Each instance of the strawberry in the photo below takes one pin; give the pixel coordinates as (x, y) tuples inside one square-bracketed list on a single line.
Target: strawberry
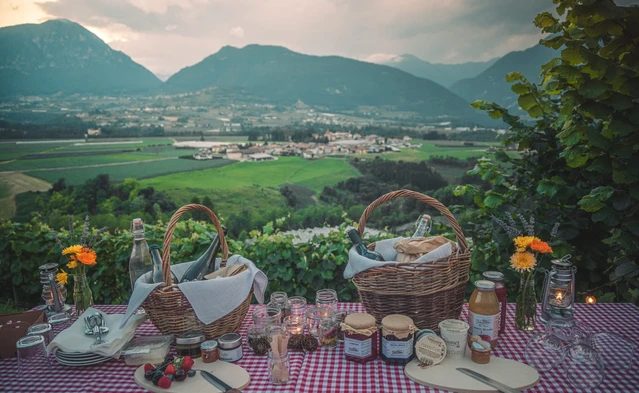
[(169, 370), (187, 363), (164, 382), (148, 367)]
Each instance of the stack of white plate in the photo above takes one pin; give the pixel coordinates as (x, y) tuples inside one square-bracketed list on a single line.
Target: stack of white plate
[(79, 359)]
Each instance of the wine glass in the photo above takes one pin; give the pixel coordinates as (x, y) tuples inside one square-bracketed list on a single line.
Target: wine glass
[(583, 366), (544, 351), (616, 351)]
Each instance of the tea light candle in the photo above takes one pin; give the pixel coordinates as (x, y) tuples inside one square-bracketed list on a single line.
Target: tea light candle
[(294, 325)]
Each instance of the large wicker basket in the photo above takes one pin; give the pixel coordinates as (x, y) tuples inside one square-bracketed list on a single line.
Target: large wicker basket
[(168, 308), (428, 292)]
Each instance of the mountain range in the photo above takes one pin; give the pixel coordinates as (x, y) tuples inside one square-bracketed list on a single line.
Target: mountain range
[(60, 56), (444, 74)]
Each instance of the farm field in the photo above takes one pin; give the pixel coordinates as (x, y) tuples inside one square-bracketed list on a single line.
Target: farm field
[(71, 161), (312, 174), (138, 170), (13, 184), (429, 150)]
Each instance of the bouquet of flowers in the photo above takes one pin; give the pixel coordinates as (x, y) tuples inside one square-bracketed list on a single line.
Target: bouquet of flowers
[(79, 256), (529, 250)]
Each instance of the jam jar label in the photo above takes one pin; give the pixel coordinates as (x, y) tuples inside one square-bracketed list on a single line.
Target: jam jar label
[(397, 349), (485, 326), (358, 348), (231, 355)]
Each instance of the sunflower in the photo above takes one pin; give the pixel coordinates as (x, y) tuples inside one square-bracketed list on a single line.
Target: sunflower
[(87, 256), (523, 261), (521, 242), (62, 277), (72, 250), (539, 246)]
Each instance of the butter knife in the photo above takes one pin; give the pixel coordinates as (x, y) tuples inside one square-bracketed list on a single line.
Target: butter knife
[(218, 383), (488, 381)]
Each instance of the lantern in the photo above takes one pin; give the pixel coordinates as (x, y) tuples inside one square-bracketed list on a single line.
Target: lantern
[(559, 293)]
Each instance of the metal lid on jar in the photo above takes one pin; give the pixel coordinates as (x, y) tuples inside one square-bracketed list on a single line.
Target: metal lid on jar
[(493, 275), (229, 340), (484, 284), (360, 320), (190, 338), (208, 345)]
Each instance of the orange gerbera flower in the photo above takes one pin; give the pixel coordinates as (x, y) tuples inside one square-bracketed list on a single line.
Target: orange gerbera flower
[(87, 256), (539, 246)]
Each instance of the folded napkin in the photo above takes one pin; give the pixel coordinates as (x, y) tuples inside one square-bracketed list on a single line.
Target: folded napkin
[(210, 301), (73, 338), (357, 263)]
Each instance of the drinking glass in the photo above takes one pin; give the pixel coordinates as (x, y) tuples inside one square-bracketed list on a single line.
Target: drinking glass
[(43, 329), (544, 351), (59, 321), (31, 351), (583, 366), (326, 297)]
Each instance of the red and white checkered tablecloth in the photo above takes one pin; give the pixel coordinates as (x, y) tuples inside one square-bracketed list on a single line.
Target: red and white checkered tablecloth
[(327, 370)]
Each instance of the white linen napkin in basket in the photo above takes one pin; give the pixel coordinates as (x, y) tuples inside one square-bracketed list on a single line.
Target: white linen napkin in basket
[(210, 301), (73, 338), (357, 263)]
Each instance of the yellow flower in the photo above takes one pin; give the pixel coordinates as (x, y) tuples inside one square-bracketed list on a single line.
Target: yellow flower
[(72, 263), (523, 261), (62, 277), (522, 242), (72, 250)]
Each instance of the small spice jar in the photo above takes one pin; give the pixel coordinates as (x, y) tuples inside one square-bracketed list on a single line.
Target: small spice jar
[(480, 351), (188, 344), (210, 351), (396, 345), (230, 345), (360, 337)]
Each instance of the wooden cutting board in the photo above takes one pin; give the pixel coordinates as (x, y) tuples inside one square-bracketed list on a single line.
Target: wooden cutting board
[(514, 374), (230, 373)]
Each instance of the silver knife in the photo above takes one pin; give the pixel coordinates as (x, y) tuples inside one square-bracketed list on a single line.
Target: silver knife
[(488, 381), (218, 383)]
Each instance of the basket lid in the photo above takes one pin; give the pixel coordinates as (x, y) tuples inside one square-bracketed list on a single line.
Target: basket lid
[(360, 320)]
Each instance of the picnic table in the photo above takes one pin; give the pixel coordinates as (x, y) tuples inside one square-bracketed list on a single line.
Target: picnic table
[(327, 370)]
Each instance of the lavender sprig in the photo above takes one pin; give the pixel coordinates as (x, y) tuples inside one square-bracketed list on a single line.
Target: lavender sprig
[(70, 224), (510, 230), (100, 231), (528, 227), (85, 231), (554, 230), (513, 224), (57, 239)]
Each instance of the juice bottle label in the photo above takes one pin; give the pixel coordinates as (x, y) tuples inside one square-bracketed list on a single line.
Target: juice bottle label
[(485, 326)]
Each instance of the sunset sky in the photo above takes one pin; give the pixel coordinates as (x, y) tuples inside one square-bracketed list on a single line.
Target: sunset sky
[(167, 35)]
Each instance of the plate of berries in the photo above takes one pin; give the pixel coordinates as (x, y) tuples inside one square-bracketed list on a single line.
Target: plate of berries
[(177, 374)]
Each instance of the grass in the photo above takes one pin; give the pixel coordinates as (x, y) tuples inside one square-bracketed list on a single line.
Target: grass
[(138, 170), (312, 174), (71, 161), (10, 151), (5, 189), (13, 184), (7, 307)]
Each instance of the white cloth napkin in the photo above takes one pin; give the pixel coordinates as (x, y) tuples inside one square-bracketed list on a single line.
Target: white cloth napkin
[(73, 338), (358, 263), (210, 300)]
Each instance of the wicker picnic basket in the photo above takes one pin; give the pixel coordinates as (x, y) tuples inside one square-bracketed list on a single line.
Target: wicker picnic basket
[(168, 308), (428, 292)]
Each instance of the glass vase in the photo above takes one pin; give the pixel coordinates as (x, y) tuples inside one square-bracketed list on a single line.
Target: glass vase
[(82, 294), (526, 304)]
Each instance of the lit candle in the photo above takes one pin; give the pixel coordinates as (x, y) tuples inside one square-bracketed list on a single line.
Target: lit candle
[(591, 299)]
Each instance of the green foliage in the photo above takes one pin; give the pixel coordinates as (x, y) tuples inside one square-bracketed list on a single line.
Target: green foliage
[(297, 268), (581, 162)]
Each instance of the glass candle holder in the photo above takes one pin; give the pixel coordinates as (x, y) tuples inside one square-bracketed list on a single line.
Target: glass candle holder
[(295, 306), (294, 324), (279, 368), (254, 335), (326, 297), (265, 316), (313, 317), (278, 299), (329, 331)]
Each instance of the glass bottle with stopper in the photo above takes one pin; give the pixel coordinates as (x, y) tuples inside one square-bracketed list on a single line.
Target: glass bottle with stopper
[(156, 256), (361, 248), (559, 293), (424, 225), (205, 264), (140, 261)]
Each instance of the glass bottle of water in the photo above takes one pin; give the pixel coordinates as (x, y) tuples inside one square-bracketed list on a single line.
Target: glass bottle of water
[(140, 261), (424, 225)]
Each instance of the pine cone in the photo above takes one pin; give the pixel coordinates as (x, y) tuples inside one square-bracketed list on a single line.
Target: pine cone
[(309, 343), (261, 346), (295, 342)]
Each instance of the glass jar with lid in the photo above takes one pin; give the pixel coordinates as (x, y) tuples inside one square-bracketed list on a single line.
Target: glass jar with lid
[(188, 344), (502, 295), (397, 344), (360, 337), (483, 313), (230, 347)]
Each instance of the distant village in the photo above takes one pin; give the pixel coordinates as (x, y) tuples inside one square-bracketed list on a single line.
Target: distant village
[(339, 144)]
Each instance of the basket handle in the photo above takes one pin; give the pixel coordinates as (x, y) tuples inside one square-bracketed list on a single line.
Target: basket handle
[(166, 250), (461, 239)]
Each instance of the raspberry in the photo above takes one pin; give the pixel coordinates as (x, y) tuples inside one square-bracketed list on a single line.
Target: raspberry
[(187, 363), (164, 382), (148, 367), (170, 369)]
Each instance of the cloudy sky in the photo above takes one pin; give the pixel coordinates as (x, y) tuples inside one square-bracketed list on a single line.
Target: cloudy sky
[(167, 35)]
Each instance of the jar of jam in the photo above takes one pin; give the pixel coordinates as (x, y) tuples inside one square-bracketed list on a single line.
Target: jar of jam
[(210, 351), (502, 295), (230, 345), (397, 339), (360, 337), (483, 313), (188, 344)]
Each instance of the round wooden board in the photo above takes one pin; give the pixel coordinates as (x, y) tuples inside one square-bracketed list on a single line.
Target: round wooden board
[(230, 373), (444, 376)]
